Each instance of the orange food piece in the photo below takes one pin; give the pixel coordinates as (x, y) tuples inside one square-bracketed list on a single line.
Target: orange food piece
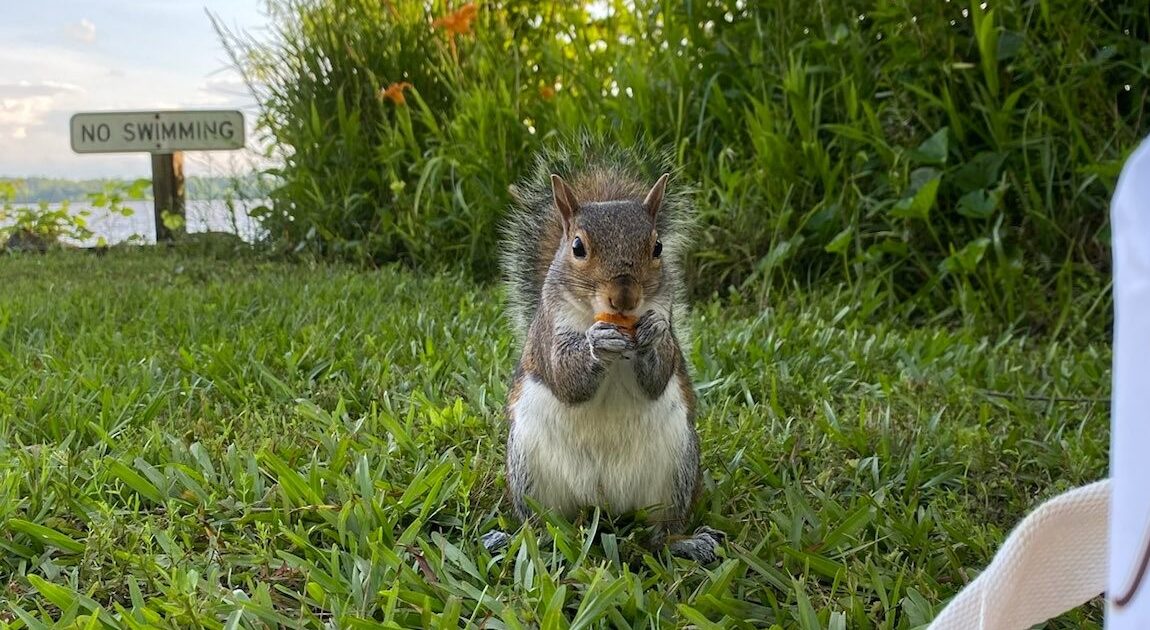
[(622, 322)]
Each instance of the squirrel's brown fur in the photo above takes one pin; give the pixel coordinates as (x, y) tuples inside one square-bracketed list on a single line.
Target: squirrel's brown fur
[(596, 172), (601, 414)]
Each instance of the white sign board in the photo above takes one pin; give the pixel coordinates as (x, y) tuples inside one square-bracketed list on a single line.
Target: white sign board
[(157, 132)]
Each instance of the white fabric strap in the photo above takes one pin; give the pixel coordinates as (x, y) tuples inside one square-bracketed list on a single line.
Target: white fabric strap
[(1053, 561), (1066, 552)]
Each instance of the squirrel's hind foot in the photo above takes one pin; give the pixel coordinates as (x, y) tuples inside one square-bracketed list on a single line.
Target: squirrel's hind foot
[(495, 540), (699, 546)]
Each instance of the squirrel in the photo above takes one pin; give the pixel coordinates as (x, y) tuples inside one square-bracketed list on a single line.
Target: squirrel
[(601, 407)]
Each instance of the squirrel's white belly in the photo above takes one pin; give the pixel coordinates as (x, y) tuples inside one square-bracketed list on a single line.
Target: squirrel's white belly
[(619, 451)]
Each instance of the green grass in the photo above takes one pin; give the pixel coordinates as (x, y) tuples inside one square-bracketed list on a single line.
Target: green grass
[(188, 441)]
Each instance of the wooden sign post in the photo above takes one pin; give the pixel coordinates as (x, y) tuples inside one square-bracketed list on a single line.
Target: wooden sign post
[(166, 135), (167, 190)]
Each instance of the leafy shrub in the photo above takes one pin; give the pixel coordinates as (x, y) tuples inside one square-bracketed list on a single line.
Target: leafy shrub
[(43, 227), (26, 228), (943, 155)]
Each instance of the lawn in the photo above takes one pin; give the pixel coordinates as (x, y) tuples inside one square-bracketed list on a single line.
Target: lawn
[(192, 441)]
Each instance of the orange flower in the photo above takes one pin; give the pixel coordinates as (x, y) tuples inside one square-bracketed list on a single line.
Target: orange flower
[(394, 92), (547, 92), (458, 22)]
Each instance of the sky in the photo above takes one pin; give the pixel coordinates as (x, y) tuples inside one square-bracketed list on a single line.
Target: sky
[(60, 57)]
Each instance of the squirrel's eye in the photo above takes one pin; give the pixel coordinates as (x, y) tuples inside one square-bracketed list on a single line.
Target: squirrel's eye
[(658, 249), (578, 249)]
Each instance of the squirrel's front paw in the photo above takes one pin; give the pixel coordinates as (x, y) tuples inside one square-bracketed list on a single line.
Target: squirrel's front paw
[(608, 342), (652, 327)]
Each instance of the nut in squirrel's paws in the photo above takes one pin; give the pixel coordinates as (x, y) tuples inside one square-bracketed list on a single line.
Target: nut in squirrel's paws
[(624, 323), (700, 546)]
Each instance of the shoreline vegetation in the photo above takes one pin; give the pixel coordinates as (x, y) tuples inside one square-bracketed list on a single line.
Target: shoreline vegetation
[(34, 190)]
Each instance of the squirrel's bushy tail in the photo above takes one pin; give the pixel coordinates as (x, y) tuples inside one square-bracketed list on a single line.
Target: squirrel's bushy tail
[(596, 171)]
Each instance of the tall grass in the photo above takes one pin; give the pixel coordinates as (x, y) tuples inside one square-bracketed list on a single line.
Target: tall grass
[(954, 158)]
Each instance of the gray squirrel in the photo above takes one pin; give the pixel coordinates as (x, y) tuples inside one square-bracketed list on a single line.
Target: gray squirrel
[(601, 408)]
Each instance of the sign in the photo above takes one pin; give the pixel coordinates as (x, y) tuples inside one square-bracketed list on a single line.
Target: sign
[(157, 132), (164, 134)]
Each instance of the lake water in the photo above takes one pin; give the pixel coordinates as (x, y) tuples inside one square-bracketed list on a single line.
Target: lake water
[(200, 216)]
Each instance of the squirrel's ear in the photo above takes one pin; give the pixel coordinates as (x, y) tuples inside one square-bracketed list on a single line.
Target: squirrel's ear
[(564, 199), (654, 199)]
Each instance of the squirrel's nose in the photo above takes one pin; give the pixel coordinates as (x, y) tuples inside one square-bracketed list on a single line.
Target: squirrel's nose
[(622, 304), (624, 294)]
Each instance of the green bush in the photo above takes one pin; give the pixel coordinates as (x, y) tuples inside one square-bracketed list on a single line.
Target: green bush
[(943, 156), (40, 228)]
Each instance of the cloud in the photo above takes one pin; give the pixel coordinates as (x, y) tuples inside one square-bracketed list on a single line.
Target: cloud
[(17, 114), (26, 89), (25, 104), (225, 88), (83, 31), (230, 83)]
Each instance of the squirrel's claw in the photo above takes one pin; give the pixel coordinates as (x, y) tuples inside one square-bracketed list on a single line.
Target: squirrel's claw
[(607, 341), (651, 328), (495, 540), (700, 546)]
